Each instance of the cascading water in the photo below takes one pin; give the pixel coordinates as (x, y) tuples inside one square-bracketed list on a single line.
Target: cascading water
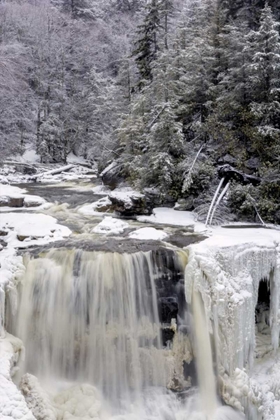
[(203, 353), (92, 318)]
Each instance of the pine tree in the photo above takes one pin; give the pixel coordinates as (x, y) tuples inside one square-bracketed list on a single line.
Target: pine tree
[(147, 45)]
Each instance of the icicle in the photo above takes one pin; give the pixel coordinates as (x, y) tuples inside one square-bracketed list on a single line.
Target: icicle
[(213, 200), (218, 201)]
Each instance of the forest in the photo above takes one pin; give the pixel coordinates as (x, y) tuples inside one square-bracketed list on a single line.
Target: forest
[(168, 90)]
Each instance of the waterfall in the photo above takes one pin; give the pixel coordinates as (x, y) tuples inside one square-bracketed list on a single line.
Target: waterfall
[(203, 353), (92, 317), (90, 323)]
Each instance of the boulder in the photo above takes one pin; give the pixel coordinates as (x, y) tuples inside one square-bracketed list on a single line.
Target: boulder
[(16, 201), (112, 175), (185, 204), (130, 204), (227, 159), (253, 164), (25, 169)]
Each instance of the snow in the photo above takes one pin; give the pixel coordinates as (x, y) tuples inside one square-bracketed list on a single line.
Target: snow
[(149, 233), (125, 194), (8, 192), (32, 228), (168, 216), (29, 156), (110, 226), (11, 191), (101, 190), (12, 402), (98, 208)]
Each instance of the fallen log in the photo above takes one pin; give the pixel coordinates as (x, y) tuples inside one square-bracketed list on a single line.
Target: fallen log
[(53, 172)]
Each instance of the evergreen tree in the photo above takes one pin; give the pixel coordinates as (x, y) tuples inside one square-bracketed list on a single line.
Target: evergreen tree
[(147, 45), (264, 80)]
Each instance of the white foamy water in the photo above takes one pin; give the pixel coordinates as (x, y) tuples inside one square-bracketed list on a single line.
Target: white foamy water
[(92, 317), (90, 325), (204, 362)]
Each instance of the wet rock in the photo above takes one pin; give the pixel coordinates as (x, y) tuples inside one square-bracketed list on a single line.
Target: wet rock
[(168, 308), (167, 335), (190, 372)]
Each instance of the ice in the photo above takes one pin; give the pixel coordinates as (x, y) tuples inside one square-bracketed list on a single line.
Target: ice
[(12, 402), (226, 269)]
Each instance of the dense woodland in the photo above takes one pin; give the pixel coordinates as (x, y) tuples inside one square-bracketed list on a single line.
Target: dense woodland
[(169, 89)]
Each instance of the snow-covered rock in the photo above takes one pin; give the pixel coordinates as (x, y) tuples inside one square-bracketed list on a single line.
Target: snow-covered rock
[(11, 196), (110, 226), (149, 233)]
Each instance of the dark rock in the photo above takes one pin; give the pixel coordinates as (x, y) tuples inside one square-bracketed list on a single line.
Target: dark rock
[(167, 308), (3, 232), (182, 241), (228, 172), (2, 244), (112, 175), (227, 159), (153, 196), (21, 238), (11, 201), (4, 201), (190, 372), (26, 169), (185, 204), (134, 204), (16, 201), (253, 163), (167, 334)]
